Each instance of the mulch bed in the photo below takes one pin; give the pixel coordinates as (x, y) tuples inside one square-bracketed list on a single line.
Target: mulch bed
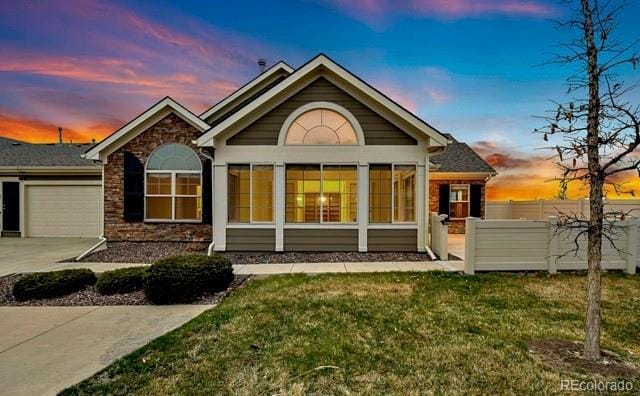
[(90, 296), (568, 356), (147, 252)]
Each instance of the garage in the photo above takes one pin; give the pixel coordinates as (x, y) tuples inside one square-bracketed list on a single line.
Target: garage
[(62, 210)]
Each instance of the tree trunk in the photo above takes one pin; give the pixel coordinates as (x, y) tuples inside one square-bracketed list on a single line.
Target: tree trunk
[(596, 182)]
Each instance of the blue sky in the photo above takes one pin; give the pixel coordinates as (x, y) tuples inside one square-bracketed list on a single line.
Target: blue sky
[(468, 67)]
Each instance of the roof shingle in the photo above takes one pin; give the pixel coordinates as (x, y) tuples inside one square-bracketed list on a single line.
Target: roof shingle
[(21, 154), (459, 157)]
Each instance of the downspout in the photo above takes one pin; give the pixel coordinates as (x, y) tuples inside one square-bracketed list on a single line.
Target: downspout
[(213, 239), (102, 238)]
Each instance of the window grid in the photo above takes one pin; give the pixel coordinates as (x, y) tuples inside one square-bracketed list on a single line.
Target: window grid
[(323, 210), (457, 200), (404, 194), (173, 195), (245, 206)]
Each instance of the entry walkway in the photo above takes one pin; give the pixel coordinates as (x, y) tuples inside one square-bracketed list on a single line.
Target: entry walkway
[(346, 267)]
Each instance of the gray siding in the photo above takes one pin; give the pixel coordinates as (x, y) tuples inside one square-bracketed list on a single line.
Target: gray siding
[(377, 130), (392, 240), (251, 239), (320, 240)]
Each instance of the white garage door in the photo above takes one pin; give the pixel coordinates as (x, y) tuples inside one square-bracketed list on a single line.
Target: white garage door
[(62, 211)]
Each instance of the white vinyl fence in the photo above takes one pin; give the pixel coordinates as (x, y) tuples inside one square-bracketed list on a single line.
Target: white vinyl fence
[(439, 236), (541, 209), (537, 245)]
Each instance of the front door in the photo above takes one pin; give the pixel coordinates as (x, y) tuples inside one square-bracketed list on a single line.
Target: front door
[(10, 206)]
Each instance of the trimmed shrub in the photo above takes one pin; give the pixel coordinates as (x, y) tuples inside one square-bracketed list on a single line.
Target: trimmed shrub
[(185, 278), (122, 280), (39, 285)]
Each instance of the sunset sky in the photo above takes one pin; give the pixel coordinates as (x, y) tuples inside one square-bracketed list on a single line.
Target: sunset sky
[(468, 67)]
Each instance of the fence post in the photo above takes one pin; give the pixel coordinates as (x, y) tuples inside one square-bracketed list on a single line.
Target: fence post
[(541, 209), (632, 246), (510, 209), (554, 245), (470, 245)]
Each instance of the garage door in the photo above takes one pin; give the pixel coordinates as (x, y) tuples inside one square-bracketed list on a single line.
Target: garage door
[(62, 211)]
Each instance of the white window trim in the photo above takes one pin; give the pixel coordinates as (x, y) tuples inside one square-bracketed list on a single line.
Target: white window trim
[(321, 222), (282, 137), (173, 196), (393, 195), (273, 194), (468, 201)]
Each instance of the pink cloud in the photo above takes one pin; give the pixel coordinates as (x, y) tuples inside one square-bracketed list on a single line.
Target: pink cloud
[(376, 12)]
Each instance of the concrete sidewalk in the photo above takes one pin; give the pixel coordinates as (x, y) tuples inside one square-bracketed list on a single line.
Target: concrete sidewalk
[(344, 267), (294, 268), (46, 349)]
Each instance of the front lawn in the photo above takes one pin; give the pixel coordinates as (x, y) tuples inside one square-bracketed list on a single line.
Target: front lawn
[(395, 333)]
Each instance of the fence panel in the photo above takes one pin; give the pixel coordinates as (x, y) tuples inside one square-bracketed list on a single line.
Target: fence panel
[(541, 209), (535, 245)]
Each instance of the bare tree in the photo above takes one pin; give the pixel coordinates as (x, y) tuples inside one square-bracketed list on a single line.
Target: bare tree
[(595, 134)]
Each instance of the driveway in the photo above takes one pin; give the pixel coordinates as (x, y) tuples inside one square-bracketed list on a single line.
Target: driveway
[(46, 349), (37, 254)]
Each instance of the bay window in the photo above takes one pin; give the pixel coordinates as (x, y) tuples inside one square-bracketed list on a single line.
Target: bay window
[(392, 193), (321, 194), (250, 193)]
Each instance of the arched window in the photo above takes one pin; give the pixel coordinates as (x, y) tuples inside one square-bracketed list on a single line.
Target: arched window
[(321, 126), (173, 184)]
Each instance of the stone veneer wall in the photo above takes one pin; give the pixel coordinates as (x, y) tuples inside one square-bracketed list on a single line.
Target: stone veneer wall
[(171, 129), (455, 226)]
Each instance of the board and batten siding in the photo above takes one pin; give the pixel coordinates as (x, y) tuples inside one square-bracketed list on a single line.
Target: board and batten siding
[(320, 240), (392, 240), (251, 239), (376, 129)]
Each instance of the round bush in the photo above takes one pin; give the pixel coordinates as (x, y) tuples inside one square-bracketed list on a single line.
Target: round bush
[(122, 280), (39, 285), (185, 278)]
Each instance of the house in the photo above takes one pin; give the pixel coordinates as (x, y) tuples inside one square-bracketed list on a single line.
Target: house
[(48, 190), (311, 159)]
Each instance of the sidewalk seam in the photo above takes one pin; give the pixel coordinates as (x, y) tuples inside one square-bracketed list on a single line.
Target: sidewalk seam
[(49, 330)]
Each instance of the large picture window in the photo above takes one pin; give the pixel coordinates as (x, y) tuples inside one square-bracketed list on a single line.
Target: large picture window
[(250, 193), (459, 201), (392, 193), (173, 180), (321, 194)]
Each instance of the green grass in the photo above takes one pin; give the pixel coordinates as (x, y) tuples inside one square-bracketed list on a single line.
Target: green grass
[(397, 333)]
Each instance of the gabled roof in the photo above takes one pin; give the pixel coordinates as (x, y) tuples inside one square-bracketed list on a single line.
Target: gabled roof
[(139, 124), (459, 157), (253, 87), (20, 155), (263, 103)]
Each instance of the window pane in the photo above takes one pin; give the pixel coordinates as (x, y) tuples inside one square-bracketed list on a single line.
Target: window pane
[(380, 193), (404, 183), (158, 183), (158, 208), (262, 193), (459, 193), (238, 193), (339, 194), (187, 208), (187, 184), (302, 193), (321, 126)]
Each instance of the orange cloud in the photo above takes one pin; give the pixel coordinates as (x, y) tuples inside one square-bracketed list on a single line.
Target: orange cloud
[(37, 131)]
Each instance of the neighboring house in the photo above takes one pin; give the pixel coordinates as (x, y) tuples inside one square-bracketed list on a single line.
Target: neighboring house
[(312, 159), (48, 190), (457, 184)]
